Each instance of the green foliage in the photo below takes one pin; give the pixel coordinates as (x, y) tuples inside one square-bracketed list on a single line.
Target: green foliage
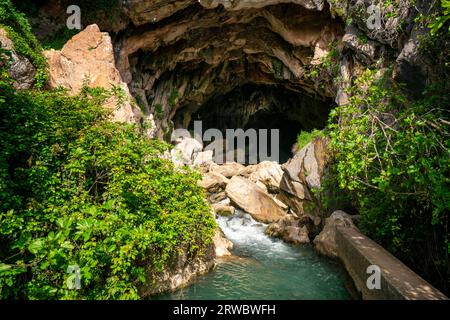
[(173, 98), (306, 137), (277, 67), (25, 43), (325, 73), (441, 20), (140, 103), (159, 113), (77, 190), (119, 93), (392, 156), (338, 8)]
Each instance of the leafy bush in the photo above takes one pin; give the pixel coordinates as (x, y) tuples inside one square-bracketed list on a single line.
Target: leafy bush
[(76, 190), (392, 155), (440, 21)]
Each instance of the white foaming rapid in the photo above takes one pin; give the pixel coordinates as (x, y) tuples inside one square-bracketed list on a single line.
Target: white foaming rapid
[(248, 234)]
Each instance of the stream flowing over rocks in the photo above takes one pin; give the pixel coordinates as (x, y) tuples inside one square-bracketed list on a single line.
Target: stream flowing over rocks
[(272, 200), (278, 195)]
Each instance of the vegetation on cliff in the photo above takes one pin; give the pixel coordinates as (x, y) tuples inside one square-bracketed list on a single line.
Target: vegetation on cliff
[(391, 154), (81, 197), (25, 43)]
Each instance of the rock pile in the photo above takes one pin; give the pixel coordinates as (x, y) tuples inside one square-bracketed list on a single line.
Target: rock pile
[(274, 194)]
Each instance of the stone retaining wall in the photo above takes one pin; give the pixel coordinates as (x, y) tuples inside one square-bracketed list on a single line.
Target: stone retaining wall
[(398, 282)]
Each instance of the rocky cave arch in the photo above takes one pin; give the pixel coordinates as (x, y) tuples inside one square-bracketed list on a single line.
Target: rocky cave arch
[(233, 66), (259, 107)]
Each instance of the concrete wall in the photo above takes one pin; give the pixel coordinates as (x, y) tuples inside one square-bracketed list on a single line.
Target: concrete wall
[(357, 252)]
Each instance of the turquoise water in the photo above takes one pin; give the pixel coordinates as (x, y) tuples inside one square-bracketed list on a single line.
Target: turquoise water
[(265, 268)]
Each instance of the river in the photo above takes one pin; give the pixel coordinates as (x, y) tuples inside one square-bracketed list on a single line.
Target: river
[(265, 268)]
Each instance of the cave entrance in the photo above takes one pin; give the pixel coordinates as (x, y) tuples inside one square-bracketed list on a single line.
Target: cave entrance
[(259, 107)]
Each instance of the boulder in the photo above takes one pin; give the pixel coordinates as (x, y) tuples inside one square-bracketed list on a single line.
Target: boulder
[(213, 182), (248, 170), (186, 151), (289, 229), (307, 167), (182, 270), (253, 200), (280, 203), (296, 235), (304, 173), (222, 245), (203, 158), (295, 188), (225, 202), (19, 67), (228, 170), (269, 173), (88, 59), (217, 197), (325, 242), (223, 209)]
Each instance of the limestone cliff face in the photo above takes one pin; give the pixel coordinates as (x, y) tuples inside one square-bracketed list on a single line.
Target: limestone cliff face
[(88, 59), (204, 50), (180, 56)]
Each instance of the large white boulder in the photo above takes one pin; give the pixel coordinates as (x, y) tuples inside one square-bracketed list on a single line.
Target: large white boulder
[(185, 152)]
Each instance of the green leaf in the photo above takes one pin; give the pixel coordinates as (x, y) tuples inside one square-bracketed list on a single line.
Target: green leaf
[(36, 246), (4, 267)]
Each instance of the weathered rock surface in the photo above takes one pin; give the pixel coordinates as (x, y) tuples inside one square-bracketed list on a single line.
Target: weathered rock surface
[(182, 271), (222, 245), (290, 230), (20, 68), (228, 169), (186, 151), (223, 209), (178, 61), (213, 182), (308, 165), (217, 197), (325, 242), (203, 158), (88, 59), (174, 60), (250, 198), (358, 42), (303, 174), (269, 173)]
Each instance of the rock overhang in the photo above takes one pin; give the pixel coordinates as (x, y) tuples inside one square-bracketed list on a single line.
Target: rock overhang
[(180, 55)]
